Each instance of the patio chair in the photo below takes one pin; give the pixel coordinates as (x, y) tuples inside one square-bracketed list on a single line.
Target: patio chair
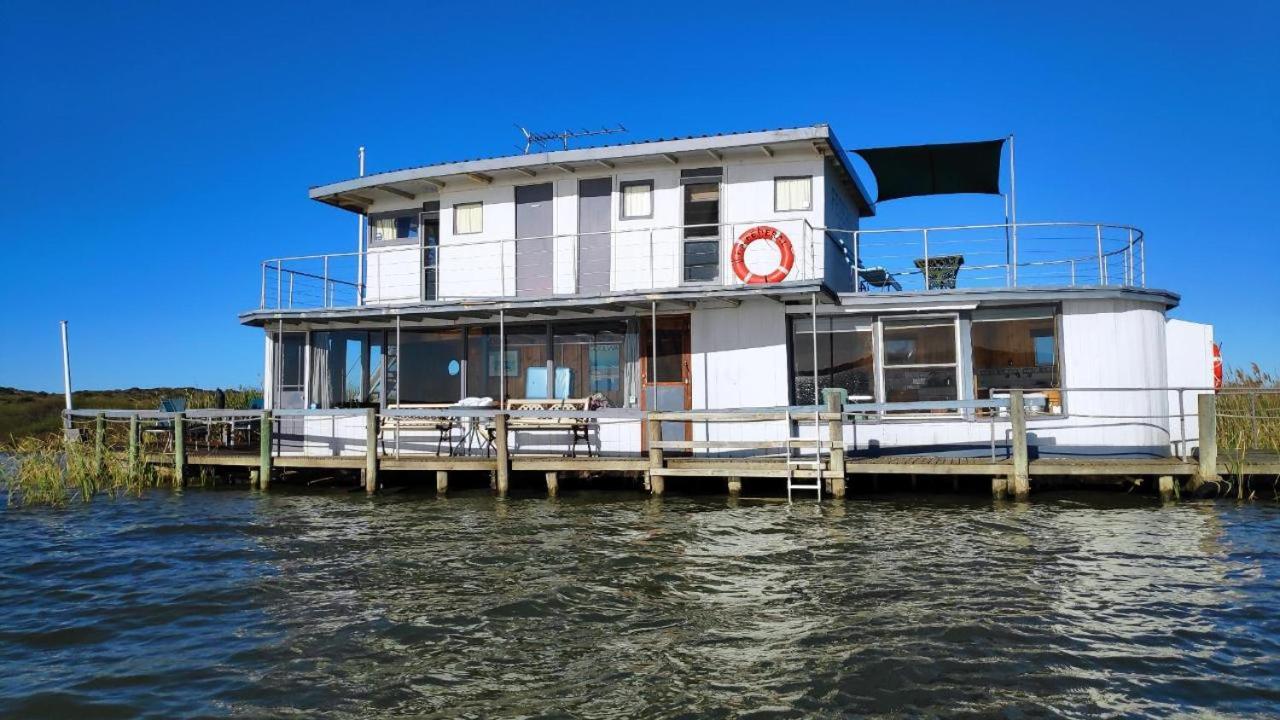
[(877, 277)]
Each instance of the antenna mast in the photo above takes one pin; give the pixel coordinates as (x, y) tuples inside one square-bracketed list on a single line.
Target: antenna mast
[(540, 139)]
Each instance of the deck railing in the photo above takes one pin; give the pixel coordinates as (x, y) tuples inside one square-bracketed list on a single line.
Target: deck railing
[(1058, 254)]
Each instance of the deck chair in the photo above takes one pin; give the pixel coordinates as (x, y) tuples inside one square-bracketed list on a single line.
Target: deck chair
[(163, 429), (877, 277)]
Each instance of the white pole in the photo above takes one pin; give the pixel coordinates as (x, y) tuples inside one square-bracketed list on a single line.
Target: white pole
[(360, 243), (1013, 208), (66, 370)]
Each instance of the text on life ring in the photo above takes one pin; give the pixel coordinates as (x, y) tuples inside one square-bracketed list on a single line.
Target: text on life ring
[(739, 254)]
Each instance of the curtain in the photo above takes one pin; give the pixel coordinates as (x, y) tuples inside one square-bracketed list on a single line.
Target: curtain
[(793, 193), (637, 200), (631, 360), (321, 396), (468, 218), (384, 229)]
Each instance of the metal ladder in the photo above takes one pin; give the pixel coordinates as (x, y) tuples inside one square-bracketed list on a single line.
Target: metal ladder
[(793, 462)]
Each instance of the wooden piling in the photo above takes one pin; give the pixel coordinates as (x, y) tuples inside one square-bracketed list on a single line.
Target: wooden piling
[(1207, 409), (133, 443), (735, 485), (371, 451), (504, 457), (100, 443), (180, 449), (442, 482), (998, 487), (553, 483), (1165, 484), (656, 481), (1020, 480), (264, 450), (835, 434)]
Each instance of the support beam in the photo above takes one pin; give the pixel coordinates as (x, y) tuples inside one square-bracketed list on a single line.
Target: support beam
[(1020, 480), (504, 457), (605, 164), (437, 184), (371, 451), (566, 167), (356, 199), (656, 484), (1207, 409), (527, 172), (442, 482), (835, 435), (715, 154), (180, 449), (481, 178), (671, 158), (553, 483), (397, 192), (264, 450), (768, 151)]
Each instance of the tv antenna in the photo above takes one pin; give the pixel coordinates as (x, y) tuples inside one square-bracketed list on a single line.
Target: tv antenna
[(541, 139)]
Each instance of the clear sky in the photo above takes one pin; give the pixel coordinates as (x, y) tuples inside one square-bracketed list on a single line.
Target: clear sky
[(155, 152)]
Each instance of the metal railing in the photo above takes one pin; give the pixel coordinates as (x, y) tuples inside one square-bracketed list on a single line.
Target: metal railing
[(1042, 254)]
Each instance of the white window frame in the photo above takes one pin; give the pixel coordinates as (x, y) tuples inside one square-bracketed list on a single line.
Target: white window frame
[(780, 178), (468, 205)]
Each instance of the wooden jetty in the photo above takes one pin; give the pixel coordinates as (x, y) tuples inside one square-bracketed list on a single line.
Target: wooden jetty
[(824, 460)]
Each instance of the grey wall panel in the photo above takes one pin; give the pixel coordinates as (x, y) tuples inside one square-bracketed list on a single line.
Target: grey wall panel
[(534, 246), (593, 240)]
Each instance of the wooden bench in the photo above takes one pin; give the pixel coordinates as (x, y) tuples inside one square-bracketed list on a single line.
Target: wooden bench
[(443, 425), (579, 428)]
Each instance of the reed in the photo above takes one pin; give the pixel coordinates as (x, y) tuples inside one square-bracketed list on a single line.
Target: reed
[(1248, 414), (47, 470)]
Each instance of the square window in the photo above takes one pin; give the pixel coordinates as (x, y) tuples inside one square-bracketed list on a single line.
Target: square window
[(637, 199), (468, 218), (792, 193)]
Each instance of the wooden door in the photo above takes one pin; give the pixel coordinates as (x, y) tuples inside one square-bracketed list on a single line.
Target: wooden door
[(666, 376)]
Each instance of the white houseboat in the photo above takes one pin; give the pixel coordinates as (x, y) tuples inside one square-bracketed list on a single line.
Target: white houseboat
[(726, 272)]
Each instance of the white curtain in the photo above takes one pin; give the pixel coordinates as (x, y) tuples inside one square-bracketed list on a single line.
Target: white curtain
[(637, 200), (468, 218), (384, 229), (793, 193)]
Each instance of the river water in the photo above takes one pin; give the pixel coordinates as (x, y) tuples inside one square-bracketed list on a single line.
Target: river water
[(235, 603)]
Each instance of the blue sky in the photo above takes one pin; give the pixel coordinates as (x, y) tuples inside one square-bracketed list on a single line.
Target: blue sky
[(155, 153)]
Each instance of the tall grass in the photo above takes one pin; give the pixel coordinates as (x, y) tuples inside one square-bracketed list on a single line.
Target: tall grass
[(48, 470), (1248, 415)]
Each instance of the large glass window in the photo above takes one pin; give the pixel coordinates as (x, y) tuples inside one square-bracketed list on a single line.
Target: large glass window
[(525, 364), (588, 360), (346, 368), (430, 367), (701, 188), (1017, 352), (919, 359), (844, 360), (399, 227)]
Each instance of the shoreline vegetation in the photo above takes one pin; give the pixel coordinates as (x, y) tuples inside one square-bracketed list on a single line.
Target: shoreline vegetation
[(39, 467)]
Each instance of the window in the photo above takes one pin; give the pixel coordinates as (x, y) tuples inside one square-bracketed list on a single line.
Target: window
[(293, 345), (468, 218), (919, 359), (1018, 350), (430, 367), (346, 368), (701, 190), (792, 193), (588, 360), (637, 199), (845, 359), (395, 227)]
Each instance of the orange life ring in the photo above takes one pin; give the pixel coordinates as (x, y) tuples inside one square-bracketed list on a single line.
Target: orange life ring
[(1217, 366), (762, 232)]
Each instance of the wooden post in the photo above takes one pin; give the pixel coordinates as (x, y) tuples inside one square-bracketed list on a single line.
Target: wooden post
[(1207, 407), (442, 482), (1021, 478), (504, 457), (735, 486), (656, 482), (179, 449), (133, 443), (264, 450), (100, 443), (371, 451), (998, 487), (1166, 487), (835, 433), (553, 483)]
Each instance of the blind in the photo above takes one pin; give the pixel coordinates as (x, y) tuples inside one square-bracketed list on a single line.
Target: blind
[(468, 218)]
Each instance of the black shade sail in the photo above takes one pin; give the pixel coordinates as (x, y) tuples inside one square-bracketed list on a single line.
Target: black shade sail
[(912, 170)]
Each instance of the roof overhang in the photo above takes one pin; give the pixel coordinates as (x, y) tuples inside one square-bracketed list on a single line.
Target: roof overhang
[(422, 183), (572, 307), (961, 299)]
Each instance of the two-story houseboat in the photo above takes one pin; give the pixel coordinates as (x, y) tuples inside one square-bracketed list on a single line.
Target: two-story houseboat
[(725, 271)]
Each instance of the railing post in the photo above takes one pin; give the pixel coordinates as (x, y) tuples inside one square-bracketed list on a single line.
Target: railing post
[(291, 279), (262, 303), (857, 281), (133, 443), (1207, 471), (1102, 261), (657, 483), (504, 458), (264, 450), (179, 449), (835, 435), (99, 443), (925, 232), (1182, 423), (371, 451), (652, 281), (1020, 481), (1128, 261), (1142, 258), (279, 285), (325, 289)]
